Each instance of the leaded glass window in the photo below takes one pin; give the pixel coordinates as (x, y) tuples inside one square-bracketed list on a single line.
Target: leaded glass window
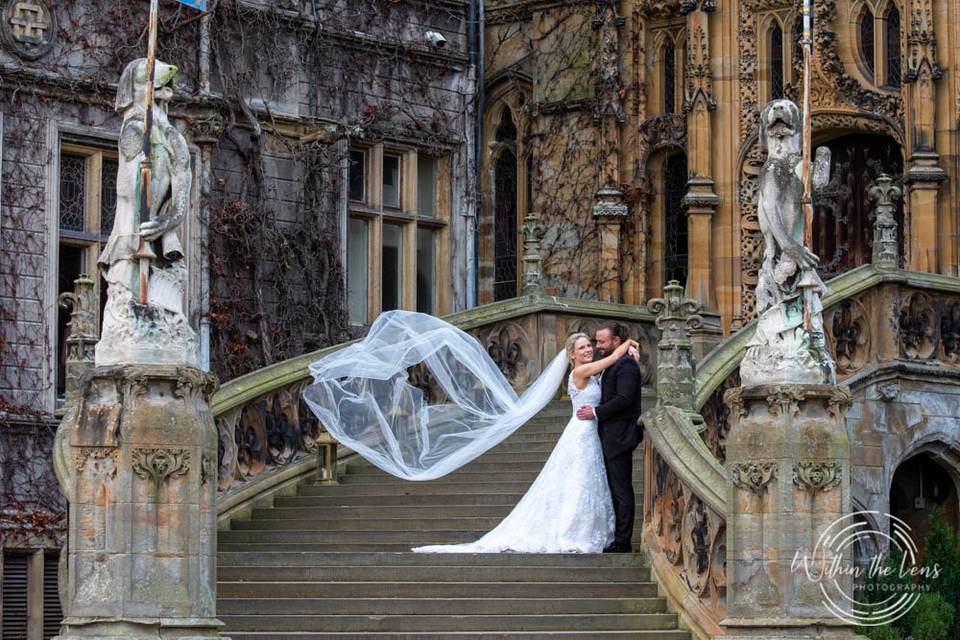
[(108, 195), (675, 218), (893, 46), (776, 62), (505, 226), (73, 179), (669, 62), (866, 40)]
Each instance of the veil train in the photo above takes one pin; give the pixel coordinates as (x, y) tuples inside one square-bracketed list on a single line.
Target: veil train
[(364, 398)]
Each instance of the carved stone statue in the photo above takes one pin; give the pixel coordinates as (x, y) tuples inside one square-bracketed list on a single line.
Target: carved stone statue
[(158, 332), (782, 351)]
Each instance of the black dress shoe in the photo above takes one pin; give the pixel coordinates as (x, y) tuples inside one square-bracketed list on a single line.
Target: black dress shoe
[(611, 548)]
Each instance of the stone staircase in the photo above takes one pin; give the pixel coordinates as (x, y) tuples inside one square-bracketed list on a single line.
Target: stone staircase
[(335, 562)]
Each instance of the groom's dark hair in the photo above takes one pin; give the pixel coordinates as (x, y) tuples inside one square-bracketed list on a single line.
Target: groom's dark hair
[(616, 329)]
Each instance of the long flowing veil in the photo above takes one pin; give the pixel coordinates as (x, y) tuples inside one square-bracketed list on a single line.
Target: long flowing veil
[(364, 397)]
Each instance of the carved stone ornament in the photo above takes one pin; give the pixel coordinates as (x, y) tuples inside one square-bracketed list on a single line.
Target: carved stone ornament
[(208, 468), (676, 317), (101, 461), (733, 398), (888, 391), (753, 476), (917, 328), (839, 402), (817, 477), (950, 332), (159, 465), (533, 232), (29, 27), (699, 74), (785, 401), (885, 193), (662, 8), (922, 43)]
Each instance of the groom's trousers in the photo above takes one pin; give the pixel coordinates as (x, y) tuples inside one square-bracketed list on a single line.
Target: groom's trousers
[(620, 478)]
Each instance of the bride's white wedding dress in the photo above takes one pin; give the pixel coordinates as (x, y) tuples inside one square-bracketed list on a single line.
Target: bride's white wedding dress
[(568, 508)]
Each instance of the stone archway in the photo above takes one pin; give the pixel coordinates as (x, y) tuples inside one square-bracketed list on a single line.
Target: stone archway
[(920, 484)]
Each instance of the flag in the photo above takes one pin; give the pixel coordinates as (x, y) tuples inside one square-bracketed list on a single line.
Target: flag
[(196, 4)]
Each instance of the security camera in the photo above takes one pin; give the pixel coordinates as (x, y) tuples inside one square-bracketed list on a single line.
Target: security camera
[(435, 38)]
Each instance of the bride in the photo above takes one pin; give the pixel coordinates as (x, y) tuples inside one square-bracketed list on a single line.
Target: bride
[(568, 509), (419, 398)]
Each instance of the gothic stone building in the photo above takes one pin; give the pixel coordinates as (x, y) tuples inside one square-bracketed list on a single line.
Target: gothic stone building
[(346, 164), (331, 144)]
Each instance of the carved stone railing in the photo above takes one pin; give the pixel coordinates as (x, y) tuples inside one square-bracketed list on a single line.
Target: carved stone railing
[(873, 316), (684, 500), (268, 436)]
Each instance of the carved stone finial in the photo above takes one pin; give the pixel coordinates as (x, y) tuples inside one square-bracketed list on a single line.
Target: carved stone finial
[(533, 232), (83, 332), (885, 193), (676, 317)]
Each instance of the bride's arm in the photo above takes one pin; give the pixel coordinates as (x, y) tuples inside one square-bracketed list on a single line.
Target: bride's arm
[(584, 371)]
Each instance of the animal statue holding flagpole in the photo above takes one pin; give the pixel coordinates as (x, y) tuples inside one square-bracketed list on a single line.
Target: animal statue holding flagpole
[(143, 260), (788, 345)]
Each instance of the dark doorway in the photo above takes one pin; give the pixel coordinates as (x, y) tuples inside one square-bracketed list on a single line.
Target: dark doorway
[(843, 214), (919, 485)]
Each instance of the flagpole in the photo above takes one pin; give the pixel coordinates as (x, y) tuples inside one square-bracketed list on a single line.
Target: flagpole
[(807, 177), (144, 252)]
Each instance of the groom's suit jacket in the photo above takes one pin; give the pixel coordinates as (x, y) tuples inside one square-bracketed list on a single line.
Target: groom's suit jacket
[(619, 408)]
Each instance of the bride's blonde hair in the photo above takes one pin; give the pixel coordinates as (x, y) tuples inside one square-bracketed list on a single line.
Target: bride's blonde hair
[(572, 342)]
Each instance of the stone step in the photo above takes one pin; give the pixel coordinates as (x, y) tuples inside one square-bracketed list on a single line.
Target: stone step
[(427, 523), (674, 634), (428, 573), (438, 606), (434, 501), (289, 558), (490, 467), (458, 477), (451, 623), (434, 589), (385, 510)]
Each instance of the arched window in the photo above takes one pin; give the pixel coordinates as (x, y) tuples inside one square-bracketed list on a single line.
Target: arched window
[(776, 62), (866, 40), (892, 41), (505, 210), (675, 219), (669, 84)]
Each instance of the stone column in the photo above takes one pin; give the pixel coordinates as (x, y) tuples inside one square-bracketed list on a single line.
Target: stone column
[(788, 463), (532, 235), (84, 334), (701, 200), (676, 317), (886, 249), (137, 461), (610, 209), (924, 173)]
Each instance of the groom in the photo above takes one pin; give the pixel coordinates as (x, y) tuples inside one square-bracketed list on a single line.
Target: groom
[(620, 434)]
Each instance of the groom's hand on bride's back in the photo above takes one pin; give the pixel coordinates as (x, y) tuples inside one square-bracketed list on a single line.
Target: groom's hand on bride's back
[(585, 413)]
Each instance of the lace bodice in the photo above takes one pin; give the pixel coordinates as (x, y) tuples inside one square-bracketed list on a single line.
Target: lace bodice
[(589, 395)]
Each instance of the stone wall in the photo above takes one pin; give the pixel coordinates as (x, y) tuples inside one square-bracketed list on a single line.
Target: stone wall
[(270, 108)]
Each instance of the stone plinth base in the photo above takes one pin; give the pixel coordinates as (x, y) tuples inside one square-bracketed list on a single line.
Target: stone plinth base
[(140, 629), (788, 459), (137, 460)]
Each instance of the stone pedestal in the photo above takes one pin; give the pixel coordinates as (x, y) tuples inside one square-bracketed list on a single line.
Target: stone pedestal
[(137, 459), (788, 460)]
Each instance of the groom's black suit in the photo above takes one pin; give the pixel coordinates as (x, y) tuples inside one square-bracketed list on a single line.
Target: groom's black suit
[(617, 416)]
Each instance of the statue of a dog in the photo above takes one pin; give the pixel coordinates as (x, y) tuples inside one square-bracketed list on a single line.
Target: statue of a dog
[(781, 351)]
